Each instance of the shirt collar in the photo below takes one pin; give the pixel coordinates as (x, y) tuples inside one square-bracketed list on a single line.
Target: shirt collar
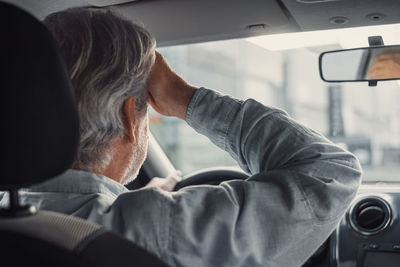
[(81, 182)]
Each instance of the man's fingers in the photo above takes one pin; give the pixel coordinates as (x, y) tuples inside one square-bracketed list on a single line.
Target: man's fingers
[(172, 180), (176, 175), (168, 183)]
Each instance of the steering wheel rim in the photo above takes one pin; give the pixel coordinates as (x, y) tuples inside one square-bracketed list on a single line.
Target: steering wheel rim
[(211, 176)]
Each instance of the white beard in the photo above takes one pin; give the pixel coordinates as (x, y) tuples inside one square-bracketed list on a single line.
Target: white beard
[(139, 152), (136, 163)]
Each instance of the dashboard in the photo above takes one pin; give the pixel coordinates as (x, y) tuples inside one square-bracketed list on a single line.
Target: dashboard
[(369, 233)]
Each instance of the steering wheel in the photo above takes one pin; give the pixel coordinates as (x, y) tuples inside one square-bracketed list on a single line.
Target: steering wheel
[(211, 176)]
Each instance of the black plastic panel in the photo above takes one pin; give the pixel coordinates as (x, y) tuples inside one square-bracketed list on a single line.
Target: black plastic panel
[(351, 248)]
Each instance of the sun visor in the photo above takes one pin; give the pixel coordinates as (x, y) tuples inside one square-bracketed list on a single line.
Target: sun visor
[(186, 21)]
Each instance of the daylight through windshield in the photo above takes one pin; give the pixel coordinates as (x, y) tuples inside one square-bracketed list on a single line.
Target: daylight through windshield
[(363, 119)]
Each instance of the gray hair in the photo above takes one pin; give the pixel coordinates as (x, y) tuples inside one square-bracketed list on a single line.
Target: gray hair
[(108, 59)]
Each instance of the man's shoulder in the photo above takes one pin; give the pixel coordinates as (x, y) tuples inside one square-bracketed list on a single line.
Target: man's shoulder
[(80, 182)]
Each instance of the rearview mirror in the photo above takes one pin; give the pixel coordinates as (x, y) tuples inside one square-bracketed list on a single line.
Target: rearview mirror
[(361, 64)]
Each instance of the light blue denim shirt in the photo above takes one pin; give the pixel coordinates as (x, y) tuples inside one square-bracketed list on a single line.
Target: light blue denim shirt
[(301, 186)]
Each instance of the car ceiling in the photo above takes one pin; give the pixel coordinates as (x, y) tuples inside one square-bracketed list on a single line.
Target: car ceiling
[(187, 21)]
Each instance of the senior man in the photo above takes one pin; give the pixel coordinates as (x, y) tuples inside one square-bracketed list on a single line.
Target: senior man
[(300, 185)]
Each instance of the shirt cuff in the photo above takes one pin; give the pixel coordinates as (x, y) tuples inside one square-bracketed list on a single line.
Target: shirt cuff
[(211, 114), (190, 110)]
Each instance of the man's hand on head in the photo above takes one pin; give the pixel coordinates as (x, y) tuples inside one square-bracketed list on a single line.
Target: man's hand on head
[(168, 183), (170, 95), (385, 66)]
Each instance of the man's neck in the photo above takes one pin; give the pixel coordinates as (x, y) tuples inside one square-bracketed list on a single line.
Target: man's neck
[(119, 164)]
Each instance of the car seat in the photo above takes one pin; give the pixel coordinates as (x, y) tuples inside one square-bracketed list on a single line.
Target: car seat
[(39, 140)]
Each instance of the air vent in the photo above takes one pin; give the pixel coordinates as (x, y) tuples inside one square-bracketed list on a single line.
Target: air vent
[(370, 216)]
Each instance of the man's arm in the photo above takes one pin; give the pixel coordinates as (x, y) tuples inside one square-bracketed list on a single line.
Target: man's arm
[(301, 185)]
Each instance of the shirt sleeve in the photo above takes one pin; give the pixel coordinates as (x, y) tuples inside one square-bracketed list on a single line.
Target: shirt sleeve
[(300, 187)]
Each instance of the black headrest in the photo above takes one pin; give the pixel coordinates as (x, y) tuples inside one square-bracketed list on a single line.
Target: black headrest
[(40, 123)]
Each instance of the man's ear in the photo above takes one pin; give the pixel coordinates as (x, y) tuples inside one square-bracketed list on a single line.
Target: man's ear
[(129, 119)]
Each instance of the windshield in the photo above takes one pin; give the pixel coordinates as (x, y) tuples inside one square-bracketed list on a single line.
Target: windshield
[(365, 120)]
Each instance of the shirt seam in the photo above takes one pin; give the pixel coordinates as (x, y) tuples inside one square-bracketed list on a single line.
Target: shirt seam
[(303, 194), (229, 118), (316, 220), (171, 260), (83, 192)]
